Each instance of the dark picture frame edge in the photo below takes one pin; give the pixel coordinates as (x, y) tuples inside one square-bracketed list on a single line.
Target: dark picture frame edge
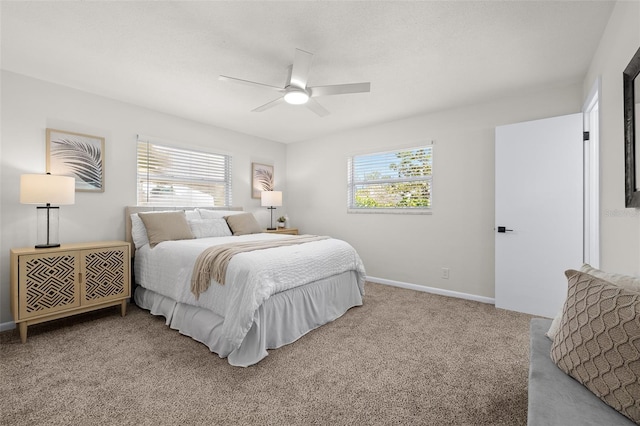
[(632, 196)]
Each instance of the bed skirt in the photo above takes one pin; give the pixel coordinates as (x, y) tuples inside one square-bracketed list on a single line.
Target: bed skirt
[(282, 319)]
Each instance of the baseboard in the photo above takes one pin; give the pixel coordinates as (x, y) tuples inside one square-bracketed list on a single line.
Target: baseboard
[(4, 326), (440, 291)]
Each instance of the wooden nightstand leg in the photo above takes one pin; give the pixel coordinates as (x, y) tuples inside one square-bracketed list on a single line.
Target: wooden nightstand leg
[(23, 331), (123, 308)]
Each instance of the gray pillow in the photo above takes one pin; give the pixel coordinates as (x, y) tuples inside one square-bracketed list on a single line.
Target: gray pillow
[(166, 226), (242, 224), (624, 281), (598, 342)]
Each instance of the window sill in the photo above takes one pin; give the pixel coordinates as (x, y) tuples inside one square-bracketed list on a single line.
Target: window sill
[(391, 211)]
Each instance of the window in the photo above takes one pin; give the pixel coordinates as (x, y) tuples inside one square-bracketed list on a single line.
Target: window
[(173, 176), (394, 181)]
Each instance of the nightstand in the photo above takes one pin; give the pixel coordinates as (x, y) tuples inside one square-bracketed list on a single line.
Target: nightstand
[(290, 231), (52, 283)]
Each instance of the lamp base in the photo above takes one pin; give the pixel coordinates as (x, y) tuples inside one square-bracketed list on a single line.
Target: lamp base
[(48, 218), (271, 229), (41, 246)]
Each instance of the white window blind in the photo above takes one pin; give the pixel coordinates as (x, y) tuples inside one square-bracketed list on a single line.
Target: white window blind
[(172, 176), (393, 181)]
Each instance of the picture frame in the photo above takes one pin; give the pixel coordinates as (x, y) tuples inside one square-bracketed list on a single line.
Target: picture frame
[(77, 155), (631, 93), (261, 179)]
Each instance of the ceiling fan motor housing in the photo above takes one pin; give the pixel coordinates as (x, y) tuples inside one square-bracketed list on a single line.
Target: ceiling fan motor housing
[(296, 96)]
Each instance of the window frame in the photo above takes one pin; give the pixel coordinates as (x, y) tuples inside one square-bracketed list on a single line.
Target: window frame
[(352, 183), (201, 178)]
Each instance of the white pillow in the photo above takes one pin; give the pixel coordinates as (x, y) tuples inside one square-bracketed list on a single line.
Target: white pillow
[(216, 214), (619, 280), (203, 228), (192, 214), (139, 232)]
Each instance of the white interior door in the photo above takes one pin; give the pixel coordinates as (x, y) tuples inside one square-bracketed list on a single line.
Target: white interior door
[(539, 193)]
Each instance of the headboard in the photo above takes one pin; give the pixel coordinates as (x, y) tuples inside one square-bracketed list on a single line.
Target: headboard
[(129, 210)]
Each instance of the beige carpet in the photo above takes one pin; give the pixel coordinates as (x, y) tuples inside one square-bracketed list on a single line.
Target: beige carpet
[(404, 357)]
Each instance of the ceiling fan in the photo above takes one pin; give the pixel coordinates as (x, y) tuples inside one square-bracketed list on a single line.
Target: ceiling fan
[(296, 92)]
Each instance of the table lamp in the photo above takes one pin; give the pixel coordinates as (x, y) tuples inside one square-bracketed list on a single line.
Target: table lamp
[(47, 189), (271, 199)]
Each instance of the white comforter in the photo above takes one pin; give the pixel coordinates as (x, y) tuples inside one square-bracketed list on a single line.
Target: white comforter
[(252, 277)]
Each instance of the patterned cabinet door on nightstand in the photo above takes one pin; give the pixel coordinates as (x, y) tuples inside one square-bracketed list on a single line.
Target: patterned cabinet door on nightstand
[(105, 274), (48, 283)]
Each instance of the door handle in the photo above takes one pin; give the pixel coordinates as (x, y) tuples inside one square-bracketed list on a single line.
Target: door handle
[(503, 229)]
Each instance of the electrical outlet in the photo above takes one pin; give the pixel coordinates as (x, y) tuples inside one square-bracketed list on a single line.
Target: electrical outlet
[(445, 273)]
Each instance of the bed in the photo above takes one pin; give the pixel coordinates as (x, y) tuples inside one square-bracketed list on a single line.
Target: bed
[(270, 297)]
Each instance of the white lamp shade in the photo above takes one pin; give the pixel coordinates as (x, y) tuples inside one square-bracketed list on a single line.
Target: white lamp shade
[(271, 198), (43, 189)]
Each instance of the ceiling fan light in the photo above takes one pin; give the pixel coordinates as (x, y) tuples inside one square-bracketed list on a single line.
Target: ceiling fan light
[(296, 97)]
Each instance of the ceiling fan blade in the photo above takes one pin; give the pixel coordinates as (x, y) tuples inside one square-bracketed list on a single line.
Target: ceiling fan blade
[(314, 106), (300, 69), (248, 83), (269, 105), (340, 89), (289, 68)]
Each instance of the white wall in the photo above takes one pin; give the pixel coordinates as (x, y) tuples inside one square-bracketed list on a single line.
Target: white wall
[(620, 236), (413, 248), (30, 106)]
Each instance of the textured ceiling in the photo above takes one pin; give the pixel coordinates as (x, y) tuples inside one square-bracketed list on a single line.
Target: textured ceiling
[(418, 56)]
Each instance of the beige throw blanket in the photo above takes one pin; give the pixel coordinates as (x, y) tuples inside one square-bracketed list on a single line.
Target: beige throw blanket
[(212, 263)]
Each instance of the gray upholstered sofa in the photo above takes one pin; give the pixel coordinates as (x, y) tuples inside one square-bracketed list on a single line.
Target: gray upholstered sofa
[(557, 399)]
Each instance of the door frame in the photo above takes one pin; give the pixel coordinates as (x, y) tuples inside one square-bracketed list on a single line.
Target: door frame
[(591, 233)]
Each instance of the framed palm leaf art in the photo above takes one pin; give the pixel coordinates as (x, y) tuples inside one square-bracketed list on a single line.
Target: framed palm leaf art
[(77, 155), (261, 179)]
